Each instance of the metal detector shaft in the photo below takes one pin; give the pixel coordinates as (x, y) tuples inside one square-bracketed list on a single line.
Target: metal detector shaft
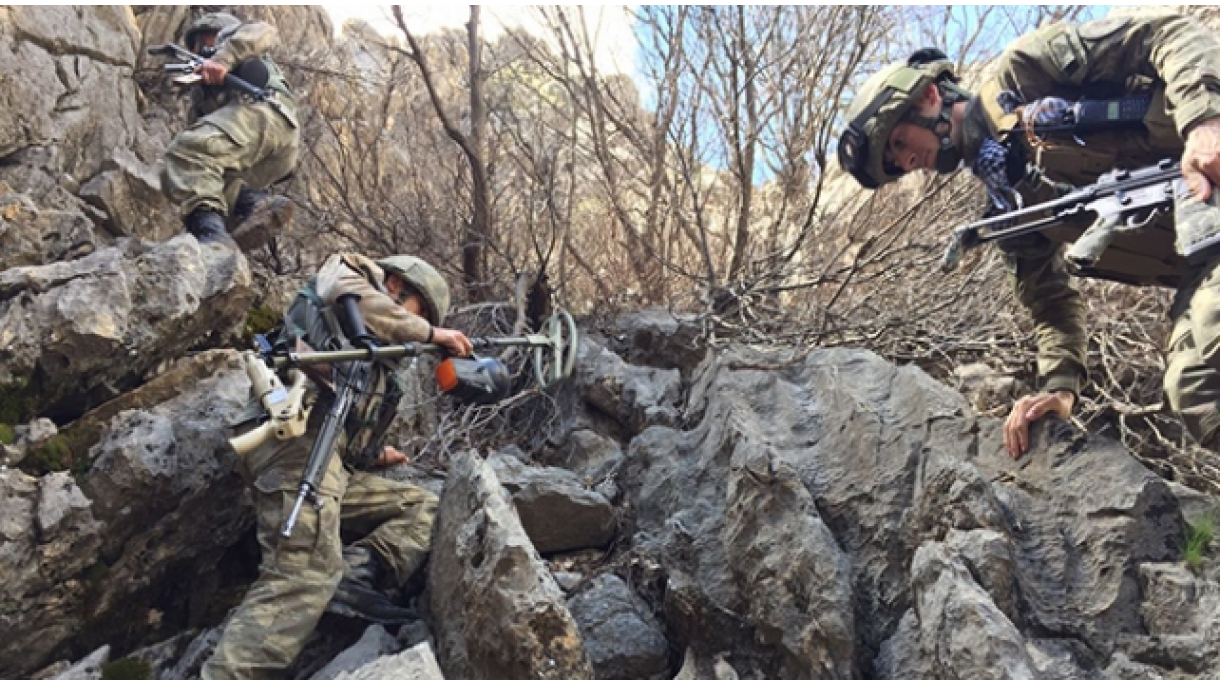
[(554, 351), (394, 352)]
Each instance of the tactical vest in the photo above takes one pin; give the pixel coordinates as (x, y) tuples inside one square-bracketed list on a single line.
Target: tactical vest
[(310, 320)]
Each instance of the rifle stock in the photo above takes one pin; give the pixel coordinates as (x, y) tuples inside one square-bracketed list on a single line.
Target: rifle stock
[(287, 412), (252, 439)]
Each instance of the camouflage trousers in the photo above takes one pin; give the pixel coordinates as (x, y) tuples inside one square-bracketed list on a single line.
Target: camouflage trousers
[(298, 575), (242, 144), (1192, 365)]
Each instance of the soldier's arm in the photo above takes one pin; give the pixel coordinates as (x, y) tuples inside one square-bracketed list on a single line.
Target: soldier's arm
[(385, 319), (1042, 284), (1175, 49), (246, 41)]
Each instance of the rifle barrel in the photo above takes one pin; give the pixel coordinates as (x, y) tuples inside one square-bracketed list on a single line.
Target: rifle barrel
[(351, 383), (986, 234), (302, 495)]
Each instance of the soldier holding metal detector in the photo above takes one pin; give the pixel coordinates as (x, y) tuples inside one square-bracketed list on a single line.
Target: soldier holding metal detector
[(243, 133), (308, 471), (1098, 116)]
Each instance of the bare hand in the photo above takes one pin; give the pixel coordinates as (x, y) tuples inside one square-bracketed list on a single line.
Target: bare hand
[(455, 341), (1029, 409), (390, 456), (213, 72), (1201, 158)]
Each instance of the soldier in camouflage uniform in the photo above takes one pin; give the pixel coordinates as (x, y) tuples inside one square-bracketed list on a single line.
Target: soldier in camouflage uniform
[(402, 300), (234, 146), (915, 116)]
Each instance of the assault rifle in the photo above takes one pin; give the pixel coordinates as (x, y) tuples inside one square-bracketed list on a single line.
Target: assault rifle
[(350, 381), (188, 67), (350, 384), (1122, 201)]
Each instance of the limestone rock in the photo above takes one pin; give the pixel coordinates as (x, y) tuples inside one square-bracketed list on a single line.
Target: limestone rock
[(556, 510), (417, 663), (621, 636)]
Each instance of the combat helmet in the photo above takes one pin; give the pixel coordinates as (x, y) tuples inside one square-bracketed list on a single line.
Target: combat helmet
[(212, 21), (885, 101), (423, 278)]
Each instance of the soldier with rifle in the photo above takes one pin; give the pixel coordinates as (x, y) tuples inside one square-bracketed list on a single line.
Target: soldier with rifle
[(239, 141), (1066, 105), (306, 570)]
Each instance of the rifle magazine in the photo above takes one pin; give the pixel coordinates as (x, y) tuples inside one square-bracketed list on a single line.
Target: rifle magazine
[(1196, 224)]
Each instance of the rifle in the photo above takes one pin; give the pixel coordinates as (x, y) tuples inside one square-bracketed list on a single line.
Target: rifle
[(350, 381), (1122, 200), (189, 65)]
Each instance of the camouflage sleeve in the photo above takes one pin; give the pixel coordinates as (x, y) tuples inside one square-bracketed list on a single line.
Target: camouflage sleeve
[(1174, 49), (246, 41), (1042, 284), (387, 320)]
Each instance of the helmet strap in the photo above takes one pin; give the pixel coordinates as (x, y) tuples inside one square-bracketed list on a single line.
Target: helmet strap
[(949, 157), (940, 125)]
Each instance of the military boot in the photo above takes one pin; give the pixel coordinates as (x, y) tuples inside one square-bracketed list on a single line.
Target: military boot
[(207, 226), (256, 215), (359, 593)]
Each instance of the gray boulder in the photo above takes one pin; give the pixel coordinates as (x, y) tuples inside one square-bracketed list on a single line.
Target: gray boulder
[(622, 638), (555, 508)]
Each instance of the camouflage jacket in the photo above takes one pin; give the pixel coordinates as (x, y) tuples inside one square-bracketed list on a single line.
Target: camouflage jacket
[(244, 42), (1178, 60)]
